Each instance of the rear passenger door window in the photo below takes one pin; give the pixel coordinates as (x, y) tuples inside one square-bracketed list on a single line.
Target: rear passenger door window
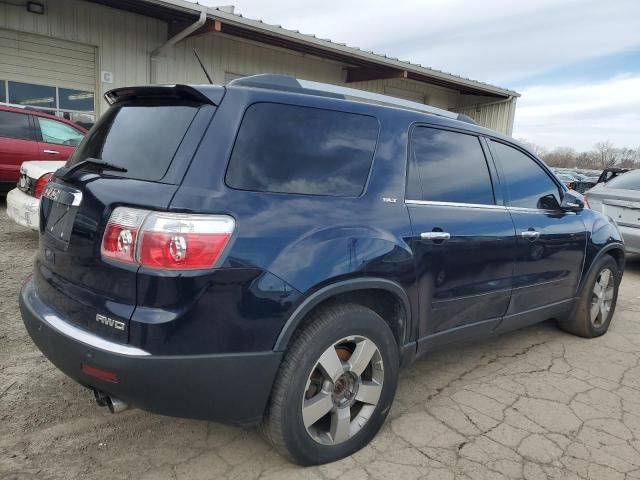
[(527, 184), (448, 166), (15, 125), (296, 149)]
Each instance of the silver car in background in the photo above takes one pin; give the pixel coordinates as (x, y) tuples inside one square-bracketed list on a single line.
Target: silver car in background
[(619, 198)]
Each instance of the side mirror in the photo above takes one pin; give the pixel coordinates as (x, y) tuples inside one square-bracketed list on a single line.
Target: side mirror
[(572, 201)]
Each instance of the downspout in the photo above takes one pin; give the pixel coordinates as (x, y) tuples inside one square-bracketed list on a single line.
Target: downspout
[(512, 114), (172, 41)]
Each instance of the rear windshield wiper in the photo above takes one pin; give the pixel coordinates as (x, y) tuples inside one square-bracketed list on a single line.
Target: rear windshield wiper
[(65, 172)]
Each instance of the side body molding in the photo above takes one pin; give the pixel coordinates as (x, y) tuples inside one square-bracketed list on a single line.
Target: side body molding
[(355, 284)]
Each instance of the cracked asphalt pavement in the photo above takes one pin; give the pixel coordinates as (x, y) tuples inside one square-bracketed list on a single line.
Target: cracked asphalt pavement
[(533, 404)]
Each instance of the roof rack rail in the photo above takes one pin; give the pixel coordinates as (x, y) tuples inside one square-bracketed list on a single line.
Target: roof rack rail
[(291, 84)]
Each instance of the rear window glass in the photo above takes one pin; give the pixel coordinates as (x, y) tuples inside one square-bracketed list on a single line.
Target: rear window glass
[(626, 181), (292, 149), (448, 167), (142, 138)]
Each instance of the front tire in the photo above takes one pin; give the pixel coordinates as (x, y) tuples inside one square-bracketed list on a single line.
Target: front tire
[(595, 307), (335, 385)]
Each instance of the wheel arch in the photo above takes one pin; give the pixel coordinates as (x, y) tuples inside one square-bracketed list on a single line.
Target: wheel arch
[(357, 287), (615, 250)]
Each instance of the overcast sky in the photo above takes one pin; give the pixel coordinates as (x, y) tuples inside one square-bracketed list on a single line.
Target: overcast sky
[(575, 62)]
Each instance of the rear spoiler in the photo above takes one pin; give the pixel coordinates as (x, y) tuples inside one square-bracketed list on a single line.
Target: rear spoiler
[(205, 94)]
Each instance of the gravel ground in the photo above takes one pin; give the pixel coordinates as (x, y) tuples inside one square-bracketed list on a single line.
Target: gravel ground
[(533, 404)]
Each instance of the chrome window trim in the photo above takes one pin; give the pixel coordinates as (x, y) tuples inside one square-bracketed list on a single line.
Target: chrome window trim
[(455, 204), (484, 206), (538, 210), (90, 339)]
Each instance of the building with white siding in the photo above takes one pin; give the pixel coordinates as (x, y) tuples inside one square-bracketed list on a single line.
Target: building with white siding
[(63, 55)]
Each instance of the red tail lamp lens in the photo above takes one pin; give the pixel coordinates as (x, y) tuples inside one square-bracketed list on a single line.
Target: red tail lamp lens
[(41, 183), (167, 241), (181, 250)]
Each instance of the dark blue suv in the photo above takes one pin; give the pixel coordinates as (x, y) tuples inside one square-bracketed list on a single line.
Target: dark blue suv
[(274, 251)]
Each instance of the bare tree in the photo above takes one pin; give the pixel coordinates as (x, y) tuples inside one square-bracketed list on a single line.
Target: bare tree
[(603, 155), (561, 157), (606, 154)]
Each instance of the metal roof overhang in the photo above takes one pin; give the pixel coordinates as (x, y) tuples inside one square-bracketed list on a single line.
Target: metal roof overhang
[(361, 65)]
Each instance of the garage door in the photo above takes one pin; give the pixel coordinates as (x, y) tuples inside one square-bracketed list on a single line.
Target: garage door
[(49, 74)]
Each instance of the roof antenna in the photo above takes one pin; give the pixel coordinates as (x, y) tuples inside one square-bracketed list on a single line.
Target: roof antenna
[(195, 52)]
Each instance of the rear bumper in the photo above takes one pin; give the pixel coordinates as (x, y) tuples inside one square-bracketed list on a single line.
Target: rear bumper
[(23, 209), (230, 388), (631, 237)]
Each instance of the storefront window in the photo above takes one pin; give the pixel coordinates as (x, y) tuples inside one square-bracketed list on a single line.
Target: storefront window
[(75, 100), (31, 95), (75, 105)]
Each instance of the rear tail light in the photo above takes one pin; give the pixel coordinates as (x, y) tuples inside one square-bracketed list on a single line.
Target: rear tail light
[(173, 241), (121, 234), (41, 183)]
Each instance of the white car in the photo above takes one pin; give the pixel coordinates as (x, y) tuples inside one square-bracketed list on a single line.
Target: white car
[(23, 202), (619, 198)]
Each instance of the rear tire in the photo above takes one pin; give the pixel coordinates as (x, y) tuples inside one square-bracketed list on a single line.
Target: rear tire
[(594, 310), (335, 385)]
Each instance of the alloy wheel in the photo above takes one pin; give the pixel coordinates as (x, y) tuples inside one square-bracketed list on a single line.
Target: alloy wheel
[(601, 298), (342, 390)]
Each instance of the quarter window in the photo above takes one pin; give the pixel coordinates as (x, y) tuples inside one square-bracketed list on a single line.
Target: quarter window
[(14, 125), (448, 167), (293, 149), (59, 133), (527, 184)]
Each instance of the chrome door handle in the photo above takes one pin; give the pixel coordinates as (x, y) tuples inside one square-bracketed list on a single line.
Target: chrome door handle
[(51, 152), (435, 236), (530, 235)]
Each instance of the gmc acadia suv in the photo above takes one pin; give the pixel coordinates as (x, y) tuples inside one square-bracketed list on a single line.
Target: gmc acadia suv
[(273, 252)]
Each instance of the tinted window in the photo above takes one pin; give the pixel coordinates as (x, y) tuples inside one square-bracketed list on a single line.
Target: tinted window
[(141, 138), (59, 133), (528, 185), (285, 148), (32, 95), (75, 100), (448, 167), (14, 125), (3, 91), (626, 181)]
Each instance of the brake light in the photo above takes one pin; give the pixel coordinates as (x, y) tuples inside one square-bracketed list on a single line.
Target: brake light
[(41, 183), (173, 241), (121, 234)]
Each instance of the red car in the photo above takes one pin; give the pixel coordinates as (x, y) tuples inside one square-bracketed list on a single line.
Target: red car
[(32, 135)]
